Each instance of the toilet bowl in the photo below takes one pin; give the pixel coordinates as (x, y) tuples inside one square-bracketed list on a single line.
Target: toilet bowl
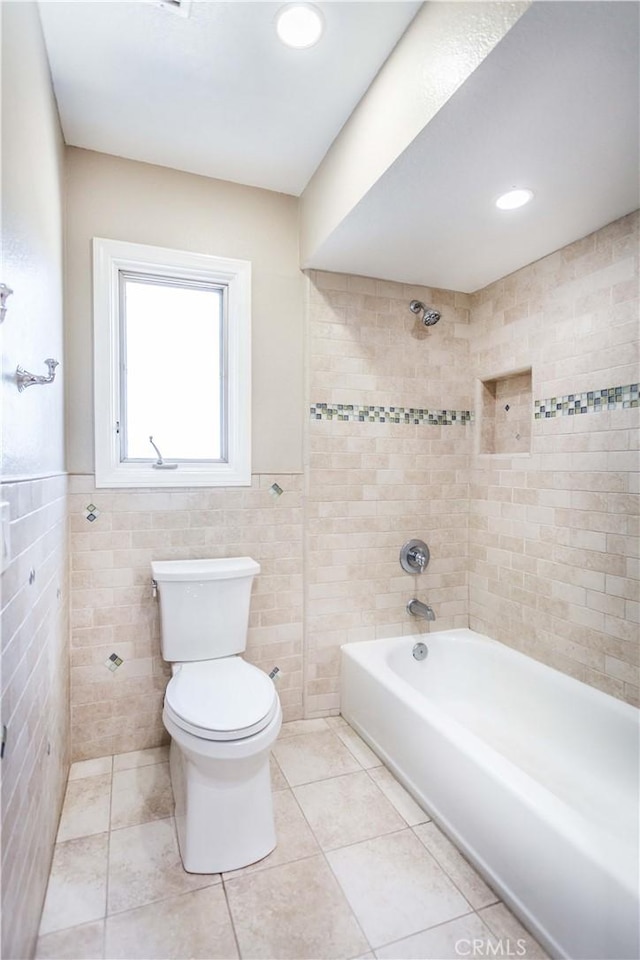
[(222, 713)]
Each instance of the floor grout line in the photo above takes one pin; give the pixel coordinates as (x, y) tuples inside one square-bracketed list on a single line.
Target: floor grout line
[(106, 891), (326, 860), (171, 896), (230, 912), (437, 859), (395, 780), (346, 900), (407, 826), (442, 923), (321, 852)]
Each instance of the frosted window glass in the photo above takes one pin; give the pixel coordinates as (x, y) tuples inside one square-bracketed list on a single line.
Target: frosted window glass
[(172, 383)]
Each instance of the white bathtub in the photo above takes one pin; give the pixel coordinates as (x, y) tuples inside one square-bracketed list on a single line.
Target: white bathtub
[(533, 774)]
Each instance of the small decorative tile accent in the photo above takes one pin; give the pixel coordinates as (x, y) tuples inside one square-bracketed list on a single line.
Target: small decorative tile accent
[(91, 512), (113, 662), (410, 415), (593, 401), (276, 490)]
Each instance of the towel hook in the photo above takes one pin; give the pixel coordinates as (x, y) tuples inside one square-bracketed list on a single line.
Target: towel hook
[(26, 379), (5, 293)]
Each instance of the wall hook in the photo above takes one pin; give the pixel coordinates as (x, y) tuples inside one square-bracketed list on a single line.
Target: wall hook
[(5, 293), (26, 379)]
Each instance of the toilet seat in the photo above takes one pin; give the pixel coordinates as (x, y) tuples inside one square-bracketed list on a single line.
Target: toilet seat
[(224, 699)]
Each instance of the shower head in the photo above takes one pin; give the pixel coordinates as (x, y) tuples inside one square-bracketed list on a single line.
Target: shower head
[(428, 315)]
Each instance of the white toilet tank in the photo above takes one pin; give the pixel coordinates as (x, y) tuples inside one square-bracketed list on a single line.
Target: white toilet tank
[(204, 606)]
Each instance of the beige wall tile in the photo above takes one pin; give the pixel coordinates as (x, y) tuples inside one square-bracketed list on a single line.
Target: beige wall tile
[(113, 611), (35, 700), (369, 487), (582, 544)]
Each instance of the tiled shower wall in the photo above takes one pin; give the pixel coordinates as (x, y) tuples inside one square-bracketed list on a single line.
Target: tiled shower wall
[(538, 550), (35, 700), (113, 611), (554, 535), (372, 483)]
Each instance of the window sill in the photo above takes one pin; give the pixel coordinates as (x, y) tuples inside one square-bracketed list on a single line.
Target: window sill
[(183, 476)]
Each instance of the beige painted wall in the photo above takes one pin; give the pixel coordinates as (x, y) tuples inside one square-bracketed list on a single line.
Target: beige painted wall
[(125, 200), (34, 620), (32, 179), (441, 48)]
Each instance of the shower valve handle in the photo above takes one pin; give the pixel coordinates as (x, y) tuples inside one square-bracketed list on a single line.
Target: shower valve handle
[(414, 556)]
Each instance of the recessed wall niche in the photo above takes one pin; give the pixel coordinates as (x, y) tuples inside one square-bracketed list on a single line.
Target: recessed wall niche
[(506, 413)]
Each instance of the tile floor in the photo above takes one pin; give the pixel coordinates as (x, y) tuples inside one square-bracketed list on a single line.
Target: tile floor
[(359, 870)]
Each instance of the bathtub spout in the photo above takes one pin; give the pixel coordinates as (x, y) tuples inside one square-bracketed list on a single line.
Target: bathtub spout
[(418, 609)]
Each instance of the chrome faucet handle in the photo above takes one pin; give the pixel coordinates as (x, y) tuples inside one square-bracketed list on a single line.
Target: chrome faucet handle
[(414, 556)]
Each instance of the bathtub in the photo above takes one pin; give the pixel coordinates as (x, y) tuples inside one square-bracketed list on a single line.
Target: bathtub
[(533, 774)]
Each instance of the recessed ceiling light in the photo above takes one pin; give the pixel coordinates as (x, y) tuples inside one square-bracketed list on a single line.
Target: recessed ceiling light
[(514, 199), (299, 25)]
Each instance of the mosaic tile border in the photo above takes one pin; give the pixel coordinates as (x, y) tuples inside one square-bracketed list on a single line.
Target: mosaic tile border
[(593, 401), (355, 413)]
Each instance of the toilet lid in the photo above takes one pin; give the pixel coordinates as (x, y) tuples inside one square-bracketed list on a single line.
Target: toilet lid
[(225, 699)]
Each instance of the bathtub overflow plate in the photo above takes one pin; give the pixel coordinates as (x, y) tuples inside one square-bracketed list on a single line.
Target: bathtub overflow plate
[(420, 651)]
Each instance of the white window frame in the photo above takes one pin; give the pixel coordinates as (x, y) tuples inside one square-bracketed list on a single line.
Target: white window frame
[(110, 258)]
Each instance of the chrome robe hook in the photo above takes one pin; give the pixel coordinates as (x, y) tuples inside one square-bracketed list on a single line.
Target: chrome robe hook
[(26, 379)]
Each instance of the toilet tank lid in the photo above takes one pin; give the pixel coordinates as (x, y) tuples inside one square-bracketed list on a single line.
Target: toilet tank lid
[(224, 568)]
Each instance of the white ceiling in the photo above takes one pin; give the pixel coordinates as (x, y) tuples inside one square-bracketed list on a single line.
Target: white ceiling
[(554, 107), (215, 93)]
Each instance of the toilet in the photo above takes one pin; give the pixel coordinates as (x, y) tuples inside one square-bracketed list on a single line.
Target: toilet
[(222, 713)]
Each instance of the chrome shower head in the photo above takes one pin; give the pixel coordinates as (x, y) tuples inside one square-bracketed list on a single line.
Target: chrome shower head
[(429, 315)]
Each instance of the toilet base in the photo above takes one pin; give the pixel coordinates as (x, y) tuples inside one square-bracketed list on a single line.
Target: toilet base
[(223, 802)]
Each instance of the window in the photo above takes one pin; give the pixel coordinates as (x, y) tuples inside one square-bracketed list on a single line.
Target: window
[(172, 367)]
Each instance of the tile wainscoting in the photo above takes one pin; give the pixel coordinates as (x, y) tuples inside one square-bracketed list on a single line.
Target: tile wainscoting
[(113, 611), (35, 700)]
